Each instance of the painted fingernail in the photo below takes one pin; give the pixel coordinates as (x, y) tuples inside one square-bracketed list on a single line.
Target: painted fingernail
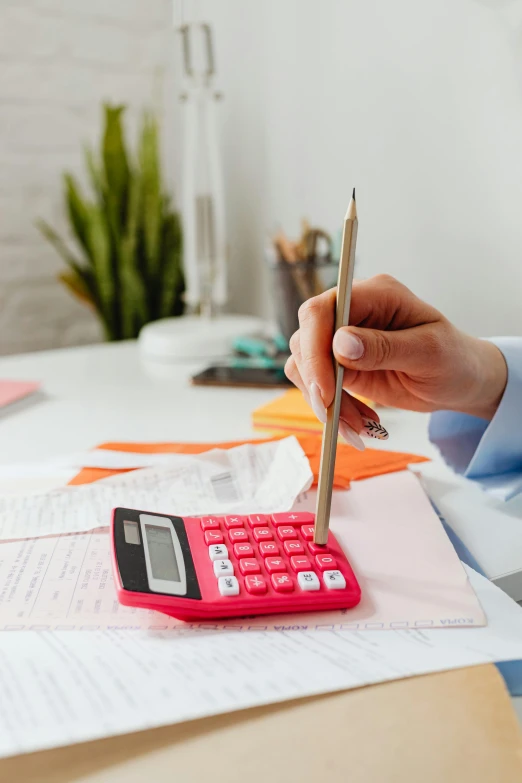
[(372, 429), (317, 403), (348, 345), (351, 436)]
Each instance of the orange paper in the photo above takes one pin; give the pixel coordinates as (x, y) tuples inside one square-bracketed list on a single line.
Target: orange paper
[(350, 465)]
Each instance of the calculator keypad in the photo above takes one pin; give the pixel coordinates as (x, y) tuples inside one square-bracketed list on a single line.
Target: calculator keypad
[(267, 553)]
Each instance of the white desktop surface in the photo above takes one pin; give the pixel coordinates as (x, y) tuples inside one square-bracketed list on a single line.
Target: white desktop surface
[(107, 393)]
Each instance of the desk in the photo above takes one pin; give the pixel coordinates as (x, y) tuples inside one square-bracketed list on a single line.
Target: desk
[(106, 392)]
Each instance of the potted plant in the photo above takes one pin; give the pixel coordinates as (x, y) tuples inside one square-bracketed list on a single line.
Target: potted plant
[(127, 263)]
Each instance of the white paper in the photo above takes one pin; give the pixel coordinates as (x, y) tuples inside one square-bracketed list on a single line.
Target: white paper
[(66, 582), (250, 478), (64, 687)]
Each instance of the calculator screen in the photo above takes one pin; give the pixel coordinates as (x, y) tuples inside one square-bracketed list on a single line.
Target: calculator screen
[(163, 561)]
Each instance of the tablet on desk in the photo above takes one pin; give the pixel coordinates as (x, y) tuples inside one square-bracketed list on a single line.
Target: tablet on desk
[(215, 567)]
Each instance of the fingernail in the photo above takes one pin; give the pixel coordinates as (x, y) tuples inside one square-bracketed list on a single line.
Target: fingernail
[(348, 345), (372, 429), (351, 436), (317, 403)]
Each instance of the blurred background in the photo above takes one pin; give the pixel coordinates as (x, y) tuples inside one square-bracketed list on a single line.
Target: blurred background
[(417, 104)]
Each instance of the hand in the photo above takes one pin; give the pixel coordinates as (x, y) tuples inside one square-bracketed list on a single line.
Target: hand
[(398, 351)]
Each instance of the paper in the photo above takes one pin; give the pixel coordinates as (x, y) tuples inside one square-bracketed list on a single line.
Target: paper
[(11, 391), (64, 687), (263, 478), (66, 582)]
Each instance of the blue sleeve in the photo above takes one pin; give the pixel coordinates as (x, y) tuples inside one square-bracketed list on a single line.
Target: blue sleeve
[(490, 452)]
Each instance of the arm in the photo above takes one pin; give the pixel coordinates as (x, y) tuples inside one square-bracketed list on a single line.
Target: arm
[(488, 451)]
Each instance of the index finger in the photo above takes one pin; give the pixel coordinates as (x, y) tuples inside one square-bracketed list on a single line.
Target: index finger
[(316, 328)]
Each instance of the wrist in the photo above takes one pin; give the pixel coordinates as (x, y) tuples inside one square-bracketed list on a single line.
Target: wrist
[(489, 379)]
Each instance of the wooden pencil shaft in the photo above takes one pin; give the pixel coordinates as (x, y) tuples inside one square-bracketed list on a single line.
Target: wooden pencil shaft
[(331, 428)]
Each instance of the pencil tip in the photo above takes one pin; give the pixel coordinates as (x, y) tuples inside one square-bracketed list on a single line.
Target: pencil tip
[(353, 194)]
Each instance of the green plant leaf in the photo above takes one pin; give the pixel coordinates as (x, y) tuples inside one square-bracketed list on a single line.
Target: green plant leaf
[(115, 161), (59, 245), (77, 210), (151, 195), (99, 243), (95, 173), (134, 309), (173, 283)]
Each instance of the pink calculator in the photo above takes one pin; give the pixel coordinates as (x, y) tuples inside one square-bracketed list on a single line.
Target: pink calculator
[(228, 566)]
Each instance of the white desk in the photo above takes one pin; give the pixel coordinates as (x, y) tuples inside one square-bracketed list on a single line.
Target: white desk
[(106, 393)]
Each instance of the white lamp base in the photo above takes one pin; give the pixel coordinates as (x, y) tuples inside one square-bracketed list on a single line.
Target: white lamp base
[(195, 337)]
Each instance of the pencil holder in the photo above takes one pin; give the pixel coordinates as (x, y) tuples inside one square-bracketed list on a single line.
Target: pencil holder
[(293, 284)]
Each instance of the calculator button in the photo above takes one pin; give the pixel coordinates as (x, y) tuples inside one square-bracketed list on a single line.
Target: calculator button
[(262, 534), (275, 564), (299, 563), (334, 580), (228, 585), (318, 549), (268, 548), (249, 566), (223, 568), (237, 534), (210, 523), (282, 583), (325, 562), (293, 518), (286, 532), (218, 552), (258, 520), (255, 585), (243, 550), (236, 521), (308, 580), (307, 531), (293, 548), (214, 537)]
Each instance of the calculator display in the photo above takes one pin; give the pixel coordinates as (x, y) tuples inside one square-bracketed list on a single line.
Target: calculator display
[(163, 561)]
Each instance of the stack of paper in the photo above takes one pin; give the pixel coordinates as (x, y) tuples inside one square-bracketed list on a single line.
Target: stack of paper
[(289, 413), (84, 667)]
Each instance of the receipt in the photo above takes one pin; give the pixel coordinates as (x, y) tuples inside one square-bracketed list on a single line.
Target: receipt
[(263, 478)]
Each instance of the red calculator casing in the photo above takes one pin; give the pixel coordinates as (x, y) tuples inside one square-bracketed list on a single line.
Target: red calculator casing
[(206, 602)]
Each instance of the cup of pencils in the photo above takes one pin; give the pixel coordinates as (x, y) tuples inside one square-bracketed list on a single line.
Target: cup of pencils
[(299, 271)]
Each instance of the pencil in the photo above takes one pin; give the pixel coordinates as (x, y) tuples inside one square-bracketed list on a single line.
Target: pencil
[(330, 432)]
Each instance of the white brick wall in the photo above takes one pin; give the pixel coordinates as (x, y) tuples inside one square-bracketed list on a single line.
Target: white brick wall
[(59, 60)]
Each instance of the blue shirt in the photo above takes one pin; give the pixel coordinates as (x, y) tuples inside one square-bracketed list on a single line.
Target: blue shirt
[(489, 452)]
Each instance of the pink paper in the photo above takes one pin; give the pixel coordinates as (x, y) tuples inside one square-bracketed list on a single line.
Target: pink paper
[(11, 391)]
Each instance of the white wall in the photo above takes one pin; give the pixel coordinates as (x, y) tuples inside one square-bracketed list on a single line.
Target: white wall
[(59, 59), (419, 104)]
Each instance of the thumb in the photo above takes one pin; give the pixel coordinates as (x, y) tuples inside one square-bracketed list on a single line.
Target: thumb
[(371, 349)]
